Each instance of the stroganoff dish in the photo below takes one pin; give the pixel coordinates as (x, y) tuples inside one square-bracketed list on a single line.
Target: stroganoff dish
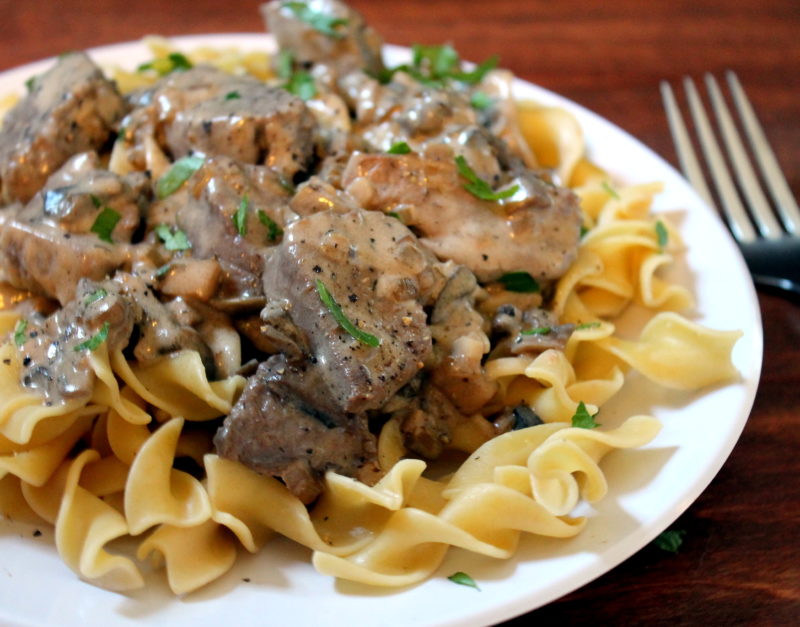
[(244, 297)]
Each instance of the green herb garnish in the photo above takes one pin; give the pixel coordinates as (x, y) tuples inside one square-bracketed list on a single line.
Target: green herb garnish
[(670, 540), (93, 343), (662, 235), (19, 332), (394, 214), (610, 190), (584, 230), (176, 240), (165, 65), (95, 296), (30, 83), (163, 270), (399, 148), (478, 187), (285, 64), (434, 66), (273, 230), (328, 300), (440, 61), (463, 579), (104, 224), (480, 100), (519, 282), (177, 175), (302, 85), (233, 95), (320, 22), (587, 325), (240, 217), (583, 419), (536, 331)]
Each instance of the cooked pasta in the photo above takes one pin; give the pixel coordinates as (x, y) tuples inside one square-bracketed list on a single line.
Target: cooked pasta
[(127, 447)]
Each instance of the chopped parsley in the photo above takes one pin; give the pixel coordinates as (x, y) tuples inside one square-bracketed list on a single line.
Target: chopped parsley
[(478, 187), (394, 214), (536, 331), (94, 342), (587, 325), (480, 100), (30, 83), (434, 66), (610, 190), (273, 230), (399, 148), (285, 64), (173, 240), (177, 175), (240, 217), (174, 61), (233, 95), (584, 230), (583, 419), (299, 83), (19, 332), (463, 579), (662, 235), (302, 85), (670, 540), (98, 294), (163, 270), (336, 310), (519, 282), (104, 223), (320, 22)]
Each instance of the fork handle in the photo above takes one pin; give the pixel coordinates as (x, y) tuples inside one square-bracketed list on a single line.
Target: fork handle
[(775, 263)]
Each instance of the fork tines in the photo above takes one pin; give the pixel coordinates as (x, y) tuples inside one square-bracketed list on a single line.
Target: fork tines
[(758, 212)]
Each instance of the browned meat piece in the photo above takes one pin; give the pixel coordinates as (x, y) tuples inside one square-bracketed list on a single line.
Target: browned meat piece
[(531, 331), (208, 111), (375, 269), (211, 200), (405, 110), (71, 108), (538, 234), (350, 44), (48, 245), (275, 432), (54, 364)]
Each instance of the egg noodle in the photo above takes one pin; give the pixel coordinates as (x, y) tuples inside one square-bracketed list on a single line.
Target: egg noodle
[(104, 469)]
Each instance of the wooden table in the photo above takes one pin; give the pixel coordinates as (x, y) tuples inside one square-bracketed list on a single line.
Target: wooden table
[(740, 562)]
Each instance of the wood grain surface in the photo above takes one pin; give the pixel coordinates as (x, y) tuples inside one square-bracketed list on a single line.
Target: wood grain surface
[(740, 561)]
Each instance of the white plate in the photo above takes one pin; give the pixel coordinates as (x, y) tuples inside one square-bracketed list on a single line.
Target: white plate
[(649, 487)]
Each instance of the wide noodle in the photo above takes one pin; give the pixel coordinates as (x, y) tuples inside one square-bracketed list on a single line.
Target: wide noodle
[(104, 469)]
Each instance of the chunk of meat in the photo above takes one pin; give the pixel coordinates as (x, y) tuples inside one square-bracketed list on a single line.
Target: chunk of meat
[(71, 108), (376, 271), (48, 245), (275, 432), (538, 233), (208, 111), (211, 200), (349, 45)]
